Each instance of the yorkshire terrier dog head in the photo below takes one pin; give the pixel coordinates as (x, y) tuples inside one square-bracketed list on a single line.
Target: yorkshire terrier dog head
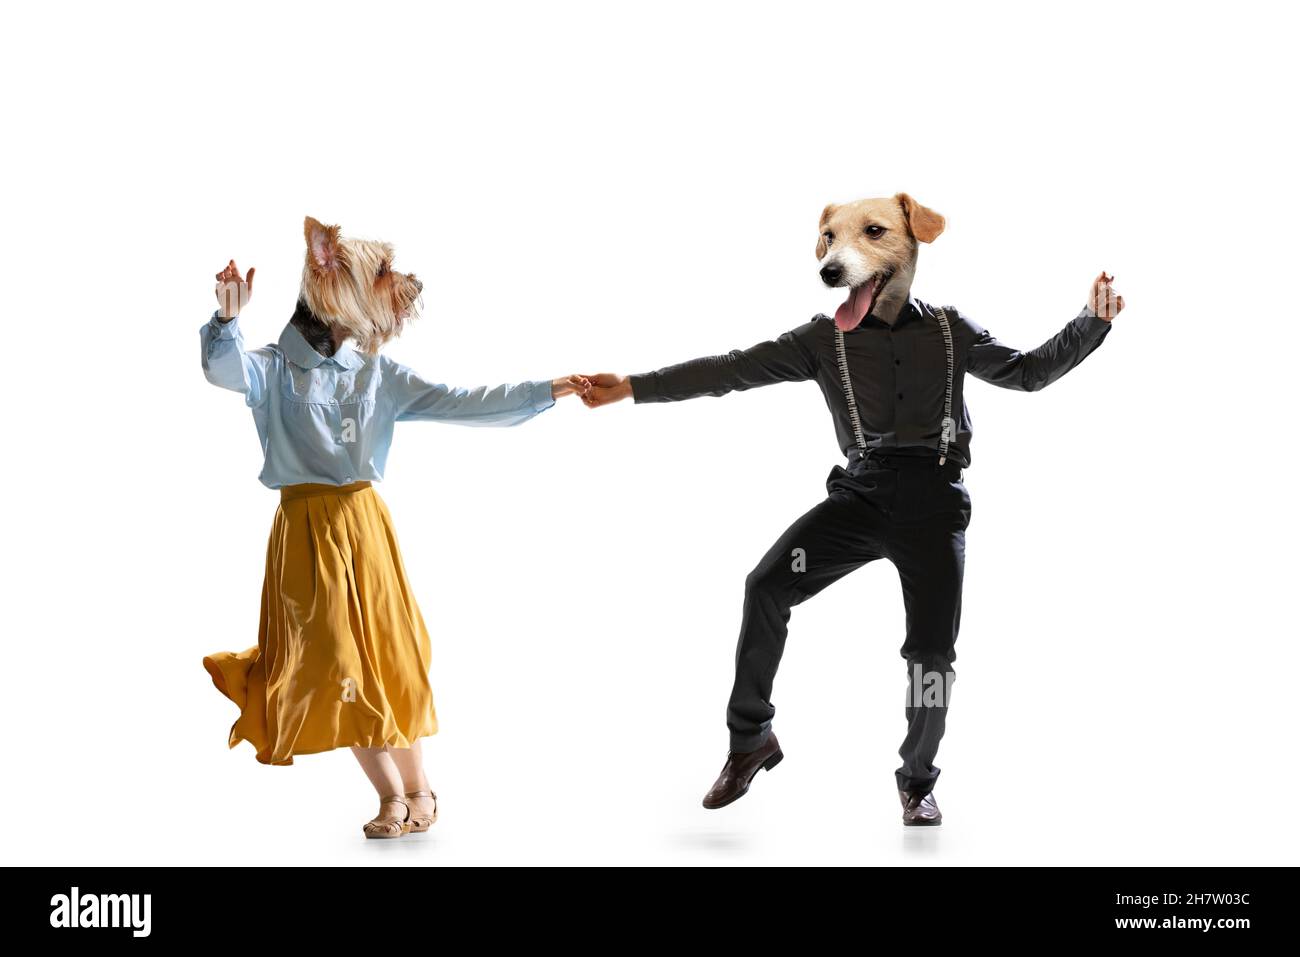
[(349, 285)]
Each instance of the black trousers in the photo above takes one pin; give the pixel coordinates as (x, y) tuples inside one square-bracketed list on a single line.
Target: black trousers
[(910, 510)]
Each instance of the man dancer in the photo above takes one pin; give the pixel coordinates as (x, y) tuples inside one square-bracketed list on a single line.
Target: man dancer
[(891, 368)]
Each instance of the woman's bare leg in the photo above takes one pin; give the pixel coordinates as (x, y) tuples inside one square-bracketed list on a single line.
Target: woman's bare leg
[(410, 764), (384, 775)]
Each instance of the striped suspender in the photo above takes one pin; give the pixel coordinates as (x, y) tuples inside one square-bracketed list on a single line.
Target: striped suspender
[(947, 429), (843, 359)]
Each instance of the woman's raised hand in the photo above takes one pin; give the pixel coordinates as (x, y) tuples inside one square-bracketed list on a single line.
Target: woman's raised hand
[(233, 291)]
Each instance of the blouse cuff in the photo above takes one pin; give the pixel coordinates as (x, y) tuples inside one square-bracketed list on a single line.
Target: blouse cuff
[(223, 330), (541, 397)]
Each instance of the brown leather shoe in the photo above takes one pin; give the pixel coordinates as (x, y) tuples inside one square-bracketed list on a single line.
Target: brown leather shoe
[(919, 810), (739, 770)]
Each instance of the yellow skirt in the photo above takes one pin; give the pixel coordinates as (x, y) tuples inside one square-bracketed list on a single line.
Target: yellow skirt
[(342, 656)]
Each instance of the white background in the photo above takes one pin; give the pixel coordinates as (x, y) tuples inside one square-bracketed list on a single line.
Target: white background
[(589, 187)]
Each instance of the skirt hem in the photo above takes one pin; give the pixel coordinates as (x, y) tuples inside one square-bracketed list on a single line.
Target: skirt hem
[(374, 741), (287, 760)]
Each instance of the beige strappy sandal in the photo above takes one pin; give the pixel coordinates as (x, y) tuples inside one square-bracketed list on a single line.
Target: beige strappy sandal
[(387, 829), (422, 822)]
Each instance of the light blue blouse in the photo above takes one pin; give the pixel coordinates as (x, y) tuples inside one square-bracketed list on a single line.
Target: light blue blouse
[(329, 419)]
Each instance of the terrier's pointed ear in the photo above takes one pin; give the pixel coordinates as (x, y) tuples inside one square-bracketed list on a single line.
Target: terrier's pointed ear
[(925, 223), (821, 227), (322, 245)]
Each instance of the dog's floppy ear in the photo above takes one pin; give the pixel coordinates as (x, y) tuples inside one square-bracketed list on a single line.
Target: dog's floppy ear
[(925, 223), (322, 245), (821, 225)]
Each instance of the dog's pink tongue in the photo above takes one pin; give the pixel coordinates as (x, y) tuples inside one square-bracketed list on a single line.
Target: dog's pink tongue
[(854, 309)]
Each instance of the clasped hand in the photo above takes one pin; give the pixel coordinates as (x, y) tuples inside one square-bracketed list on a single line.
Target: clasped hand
[(595, 390)]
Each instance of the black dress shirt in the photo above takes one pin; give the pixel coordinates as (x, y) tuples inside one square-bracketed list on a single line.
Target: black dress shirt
[(898, 373)]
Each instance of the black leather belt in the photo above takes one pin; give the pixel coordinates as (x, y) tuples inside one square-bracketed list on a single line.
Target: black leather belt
[(886, 460)]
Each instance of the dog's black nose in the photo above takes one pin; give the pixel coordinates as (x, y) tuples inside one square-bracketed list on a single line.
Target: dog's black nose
[(832, 273)]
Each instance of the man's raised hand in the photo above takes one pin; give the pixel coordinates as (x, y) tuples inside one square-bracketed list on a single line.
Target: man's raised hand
[(1105, 302), (606, 387)]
